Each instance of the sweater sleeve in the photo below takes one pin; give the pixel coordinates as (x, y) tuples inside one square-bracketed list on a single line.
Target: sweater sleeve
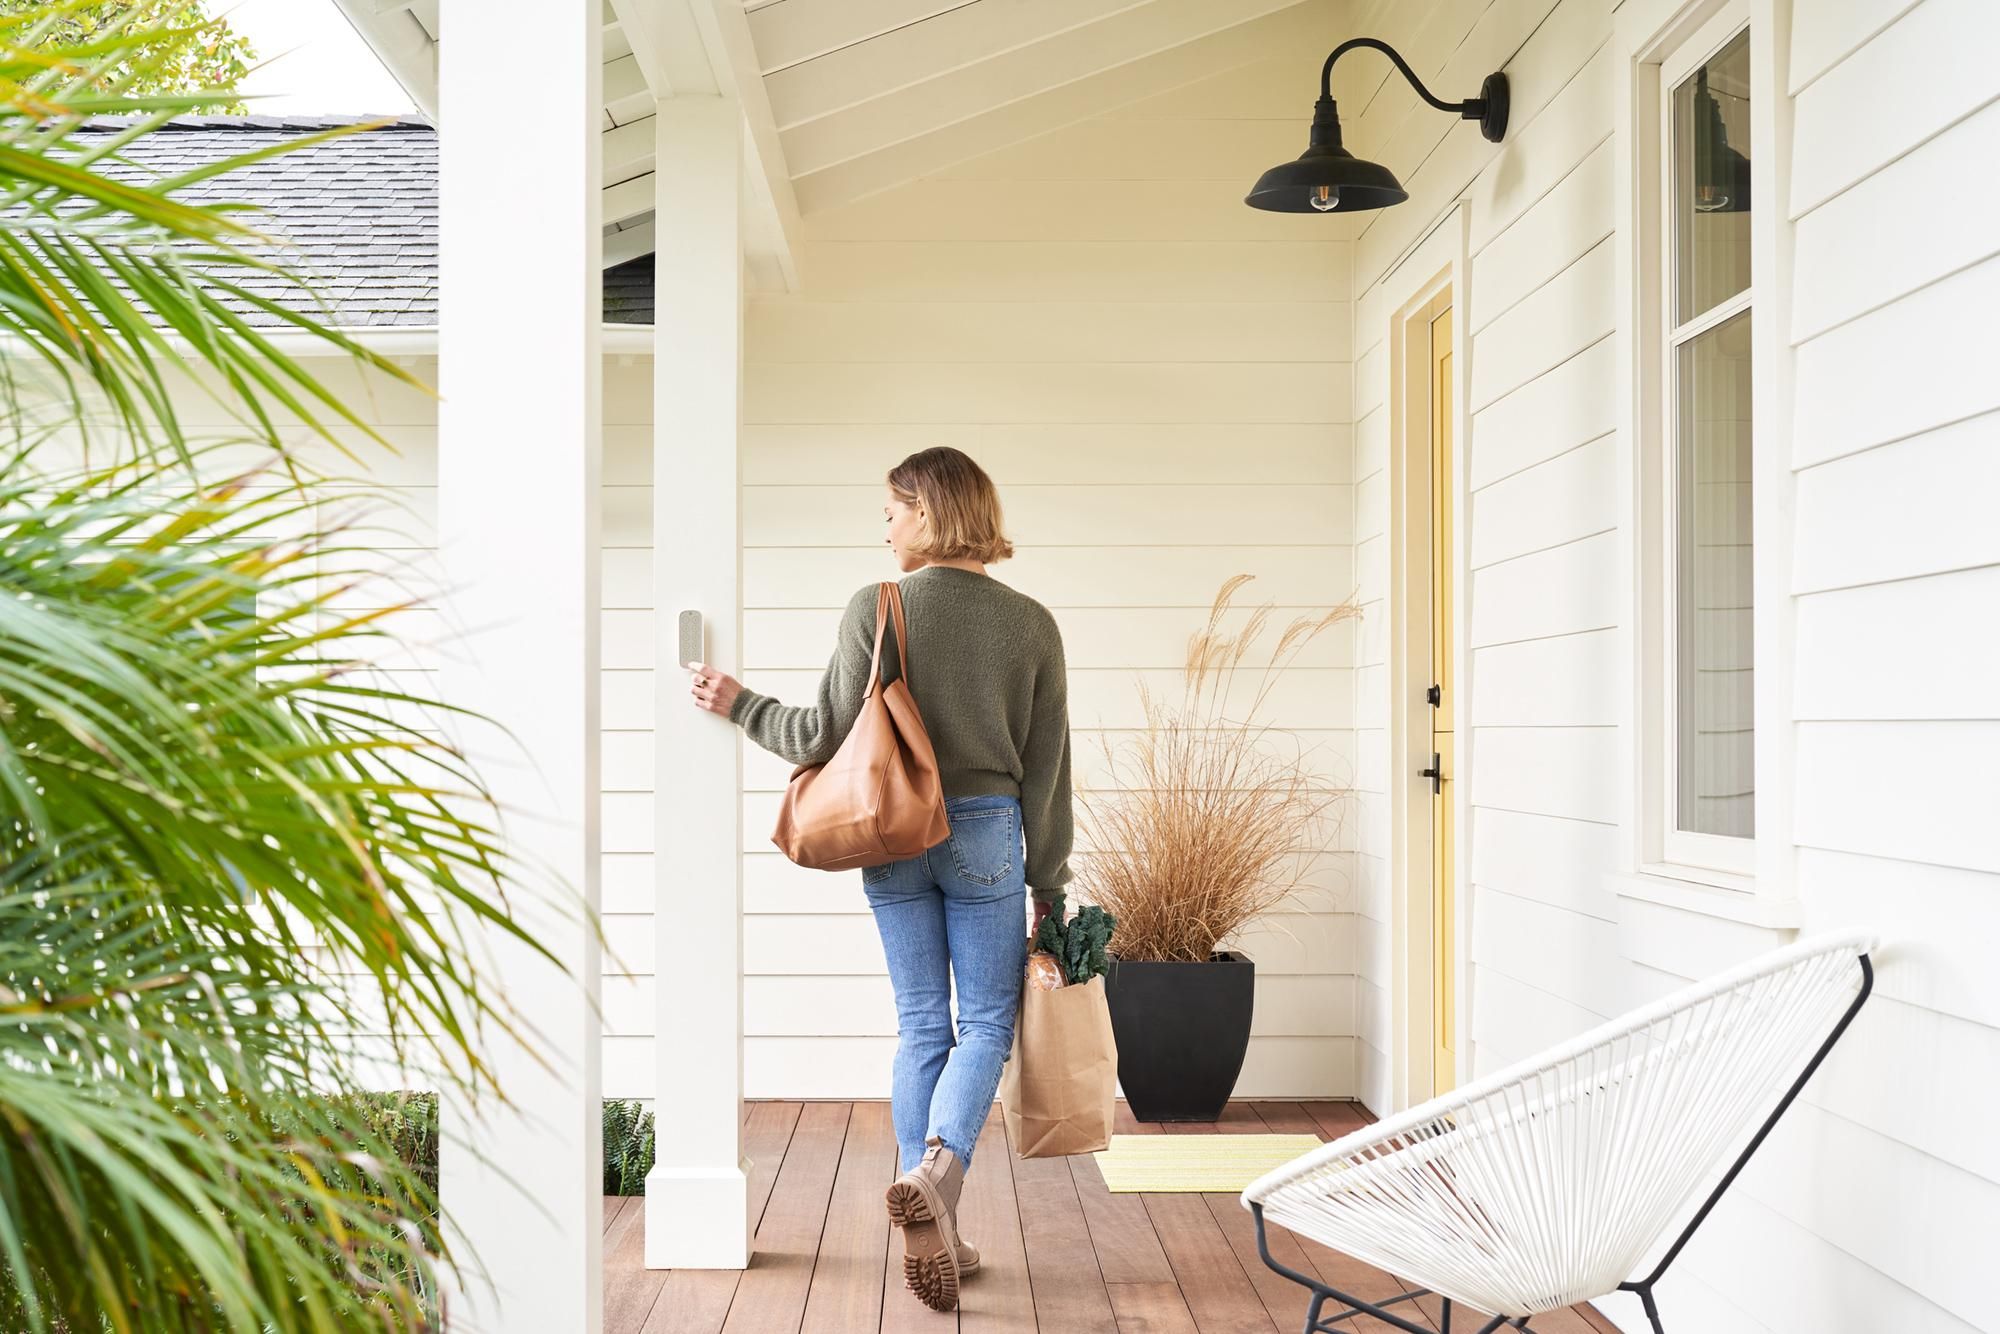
[(811, 733), (1046, 813)]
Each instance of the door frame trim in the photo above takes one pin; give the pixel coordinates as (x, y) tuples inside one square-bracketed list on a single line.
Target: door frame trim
[(1440, 262)]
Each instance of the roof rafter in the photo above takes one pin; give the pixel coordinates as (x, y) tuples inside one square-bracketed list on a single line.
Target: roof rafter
[(401, 43), (703, 47)]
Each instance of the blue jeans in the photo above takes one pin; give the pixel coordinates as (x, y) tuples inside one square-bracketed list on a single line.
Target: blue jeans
[(958, 910)]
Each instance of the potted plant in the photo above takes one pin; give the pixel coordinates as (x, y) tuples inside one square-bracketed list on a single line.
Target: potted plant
[(1196, 830)]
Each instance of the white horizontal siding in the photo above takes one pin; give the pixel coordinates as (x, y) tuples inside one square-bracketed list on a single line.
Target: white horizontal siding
[(1921, 791), (1939, 241), (1061, 272), (1563, 590), (1922, 346), (1861, 1208), (1918, 76), (1563, 681), (1225, 392), (1568, 405), (1562, 318), (1924, 656), (1561, 500), (859, 1067), (1946, 920), (1067, 453), (1570, 220), (1831, 37), (1159, 573), (1926, 501), (1162, 405), (1061, 331)]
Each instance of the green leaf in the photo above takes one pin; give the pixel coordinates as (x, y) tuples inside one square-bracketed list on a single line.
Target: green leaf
[(234, 861)]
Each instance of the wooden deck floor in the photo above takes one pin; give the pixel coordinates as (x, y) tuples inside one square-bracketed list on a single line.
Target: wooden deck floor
[(1060, 1253)]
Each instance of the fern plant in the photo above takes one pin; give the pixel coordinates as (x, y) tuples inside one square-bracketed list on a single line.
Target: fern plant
[(628, 1147)]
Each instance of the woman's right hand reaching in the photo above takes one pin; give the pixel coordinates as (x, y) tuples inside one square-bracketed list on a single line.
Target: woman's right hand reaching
[(713, 691), (1041, 911)]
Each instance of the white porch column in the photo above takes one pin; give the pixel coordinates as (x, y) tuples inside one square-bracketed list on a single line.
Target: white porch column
[(697, 1195), (518, 456)]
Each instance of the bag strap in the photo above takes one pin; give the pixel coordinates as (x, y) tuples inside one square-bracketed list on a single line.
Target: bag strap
[(881, 619), (902, 636), (888, 598)]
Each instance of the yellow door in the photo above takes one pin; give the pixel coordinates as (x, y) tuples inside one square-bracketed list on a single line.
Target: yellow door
[(1444, 945)]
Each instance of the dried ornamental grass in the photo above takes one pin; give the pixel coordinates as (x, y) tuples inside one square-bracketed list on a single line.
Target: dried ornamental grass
[(1201, 821)]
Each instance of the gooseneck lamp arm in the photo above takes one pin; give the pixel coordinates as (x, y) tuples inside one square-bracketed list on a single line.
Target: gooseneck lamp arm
[(1489, 108), (1326, 178)]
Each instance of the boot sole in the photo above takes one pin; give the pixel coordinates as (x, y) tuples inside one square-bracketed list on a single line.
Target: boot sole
[(930, 1262)]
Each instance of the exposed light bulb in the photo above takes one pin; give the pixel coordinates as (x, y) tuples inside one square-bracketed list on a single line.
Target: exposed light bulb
[(1325, 198)]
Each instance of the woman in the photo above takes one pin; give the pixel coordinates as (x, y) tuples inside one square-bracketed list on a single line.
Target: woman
[(990, 684)]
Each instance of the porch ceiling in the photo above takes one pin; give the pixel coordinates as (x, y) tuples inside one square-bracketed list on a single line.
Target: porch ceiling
[(867, 94), (845, 98)]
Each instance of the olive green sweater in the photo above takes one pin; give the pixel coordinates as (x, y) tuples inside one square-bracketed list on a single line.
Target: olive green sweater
[(988, 675)]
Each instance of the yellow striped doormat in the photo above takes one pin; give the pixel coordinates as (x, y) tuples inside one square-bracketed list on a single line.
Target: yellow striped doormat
[(1172, 1163)]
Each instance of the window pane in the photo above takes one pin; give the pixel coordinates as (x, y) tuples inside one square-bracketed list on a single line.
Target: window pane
[(1713, 582), (1712, 181)]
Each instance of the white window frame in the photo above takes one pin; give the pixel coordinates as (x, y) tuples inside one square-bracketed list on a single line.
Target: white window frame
[(1657, 44), (1670, 845)]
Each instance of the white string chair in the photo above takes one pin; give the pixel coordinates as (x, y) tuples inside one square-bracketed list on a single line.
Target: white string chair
[(1549, 1182)]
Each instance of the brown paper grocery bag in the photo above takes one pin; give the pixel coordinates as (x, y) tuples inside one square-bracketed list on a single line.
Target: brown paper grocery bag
[(1058, 1085)]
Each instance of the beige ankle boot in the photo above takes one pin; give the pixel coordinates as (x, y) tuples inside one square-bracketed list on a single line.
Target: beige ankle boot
[(923, 1202)]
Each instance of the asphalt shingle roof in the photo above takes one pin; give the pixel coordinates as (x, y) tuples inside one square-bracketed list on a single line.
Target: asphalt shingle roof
[(628, 292), (361, 208)]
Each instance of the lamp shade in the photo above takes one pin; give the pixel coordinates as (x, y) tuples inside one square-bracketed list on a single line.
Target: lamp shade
[(1326, 178), (1721, 174)]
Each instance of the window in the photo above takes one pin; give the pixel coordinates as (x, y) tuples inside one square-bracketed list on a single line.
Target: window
[(1705, 421), (1709, 625), (1707, 622)]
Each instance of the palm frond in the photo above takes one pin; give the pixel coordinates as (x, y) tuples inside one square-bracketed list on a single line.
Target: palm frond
[(238, 860)]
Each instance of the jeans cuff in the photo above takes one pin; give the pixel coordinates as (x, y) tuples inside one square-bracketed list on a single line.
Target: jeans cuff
[(964, 1154)]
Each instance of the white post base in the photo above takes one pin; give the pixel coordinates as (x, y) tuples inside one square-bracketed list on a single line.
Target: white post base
[(698, 1219)]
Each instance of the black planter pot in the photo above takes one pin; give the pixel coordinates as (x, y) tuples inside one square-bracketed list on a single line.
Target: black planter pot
[(1182, 1029)]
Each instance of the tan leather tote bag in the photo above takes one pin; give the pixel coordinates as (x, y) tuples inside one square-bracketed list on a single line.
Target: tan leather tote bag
[(880, 798)]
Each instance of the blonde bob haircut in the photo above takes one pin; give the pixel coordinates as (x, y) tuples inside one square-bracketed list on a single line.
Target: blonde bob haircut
[(960, 506)]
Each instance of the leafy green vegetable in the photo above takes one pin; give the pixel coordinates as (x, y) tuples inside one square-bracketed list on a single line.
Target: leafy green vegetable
[(1080, 944)]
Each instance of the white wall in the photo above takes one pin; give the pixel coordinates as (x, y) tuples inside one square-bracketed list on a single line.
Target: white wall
[(1896, 451), (1156, 377), (1871, 1206)]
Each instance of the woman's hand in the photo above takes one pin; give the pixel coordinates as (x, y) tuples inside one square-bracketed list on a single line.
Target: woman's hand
[(713, 690), (1041, 911)]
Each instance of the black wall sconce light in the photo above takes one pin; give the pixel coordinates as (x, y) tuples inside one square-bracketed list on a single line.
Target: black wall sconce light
[(1722, 175), (1329, 179)]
